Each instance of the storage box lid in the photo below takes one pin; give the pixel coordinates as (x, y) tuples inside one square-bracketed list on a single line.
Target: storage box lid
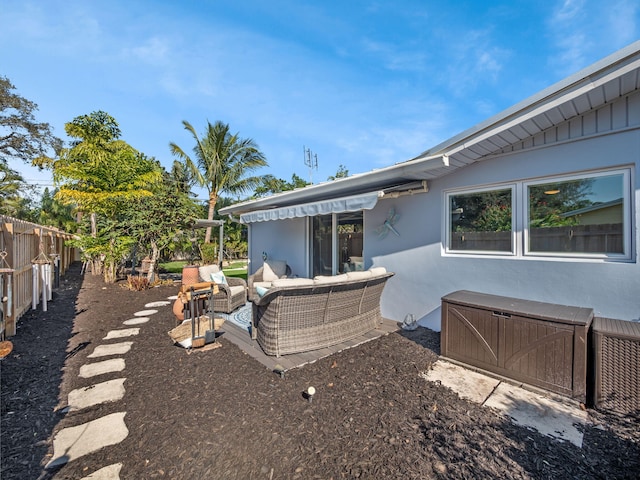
[(521, 307), (617, 328)]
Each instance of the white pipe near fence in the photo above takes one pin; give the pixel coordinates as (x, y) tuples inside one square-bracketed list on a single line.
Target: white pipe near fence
[(34, 289)]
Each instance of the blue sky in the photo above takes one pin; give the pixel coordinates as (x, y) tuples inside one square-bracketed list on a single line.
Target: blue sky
[(363, 84)]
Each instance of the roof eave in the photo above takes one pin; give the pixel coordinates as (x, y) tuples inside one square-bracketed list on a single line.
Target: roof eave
[(409, 171)]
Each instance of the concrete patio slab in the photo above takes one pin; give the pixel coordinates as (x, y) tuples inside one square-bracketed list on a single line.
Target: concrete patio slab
[(467, 384), (136, 321), (112, 349), (100, 368), (109, 391), (74, 442), (159, 303), (110, 472), (144, 313), (549, 416), (122, 333)]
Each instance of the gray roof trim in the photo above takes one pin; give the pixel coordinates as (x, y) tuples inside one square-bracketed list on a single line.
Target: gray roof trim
[(563, 92)]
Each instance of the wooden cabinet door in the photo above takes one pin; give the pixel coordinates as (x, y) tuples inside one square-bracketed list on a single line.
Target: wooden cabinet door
[(538, 352), (471, 336)]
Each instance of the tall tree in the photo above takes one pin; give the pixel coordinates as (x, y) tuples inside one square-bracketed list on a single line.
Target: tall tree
[(55, 214), (342, 172), (21, 136), (220, 163), (173, 213), (270, 185), (11, 182), (98, 174)]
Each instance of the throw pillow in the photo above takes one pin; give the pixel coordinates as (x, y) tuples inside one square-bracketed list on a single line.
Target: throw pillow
[(219, 278), (261, 291), (268, 275), (279, 267), (205, 272)]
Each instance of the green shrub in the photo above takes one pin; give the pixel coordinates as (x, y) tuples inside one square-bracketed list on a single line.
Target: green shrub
[(208, 253)]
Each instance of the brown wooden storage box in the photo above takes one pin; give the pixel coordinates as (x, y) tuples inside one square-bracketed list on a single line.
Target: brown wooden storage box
[(541, 344), (616, 365)]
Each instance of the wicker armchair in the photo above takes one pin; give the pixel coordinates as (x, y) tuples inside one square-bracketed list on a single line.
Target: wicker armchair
[(231, 295), (277, 269)]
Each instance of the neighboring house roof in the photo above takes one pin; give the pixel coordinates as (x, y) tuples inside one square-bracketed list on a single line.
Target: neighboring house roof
[(601, 83), (593, 208)]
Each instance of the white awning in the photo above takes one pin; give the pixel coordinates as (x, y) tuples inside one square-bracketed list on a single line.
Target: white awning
[(366, 201)]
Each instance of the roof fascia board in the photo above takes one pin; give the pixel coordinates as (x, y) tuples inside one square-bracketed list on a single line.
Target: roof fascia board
[(571, 87)]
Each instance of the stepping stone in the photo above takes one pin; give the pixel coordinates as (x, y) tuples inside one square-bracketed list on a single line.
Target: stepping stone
[(172, 297), (125, 332), (100, 368), (111, 349), (136, 321), (74, 442), (144, 313), (159, 303), (466, 383), (109, 391), (111, 472), (552, 417)]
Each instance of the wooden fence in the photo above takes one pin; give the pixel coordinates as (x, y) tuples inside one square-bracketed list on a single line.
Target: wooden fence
[(605, 238), (32, 259)]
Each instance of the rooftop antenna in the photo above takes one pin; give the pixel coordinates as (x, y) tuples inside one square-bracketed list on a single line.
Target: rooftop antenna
[(311, 161)]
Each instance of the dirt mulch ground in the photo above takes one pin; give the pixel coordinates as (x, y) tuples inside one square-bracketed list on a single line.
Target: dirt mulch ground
[(220, 414)]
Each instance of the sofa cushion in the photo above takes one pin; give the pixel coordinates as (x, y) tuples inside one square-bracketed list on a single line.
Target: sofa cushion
[(375, 271), (325, 279), (261, 284), (205, 271), (359, 275), (292, 282), (236, 289), (261, 290)]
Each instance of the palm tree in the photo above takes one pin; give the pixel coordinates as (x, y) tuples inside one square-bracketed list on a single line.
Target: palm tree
[(221, 162)]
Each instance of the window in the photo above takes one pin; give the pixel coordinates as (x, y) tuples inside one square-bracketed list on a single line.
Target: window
[(586, 215), (578, 216), (481, 221)]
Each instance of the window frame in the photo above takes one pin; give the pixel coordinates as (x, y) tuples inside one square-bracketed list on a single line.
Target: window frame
[(520, 218), (471, 191), (626, 214)]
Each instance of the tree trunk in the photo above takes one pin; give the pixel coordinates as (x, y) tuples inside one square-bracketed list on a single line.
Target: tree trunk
[(94, 225), (155, 254), (213, 199)]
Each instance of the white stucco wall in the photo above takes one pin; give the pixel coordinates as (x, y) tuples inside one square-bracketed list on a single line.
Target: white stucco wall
[(424, 273), (282, 240)]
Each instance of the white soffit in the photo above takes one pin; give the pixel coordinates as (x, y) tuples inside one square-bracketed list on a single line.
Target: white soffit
[(352, 203)]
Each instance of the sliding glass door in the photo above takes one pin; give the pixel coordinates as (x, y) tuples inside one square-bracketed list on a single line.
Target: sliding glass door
[(336, 243)]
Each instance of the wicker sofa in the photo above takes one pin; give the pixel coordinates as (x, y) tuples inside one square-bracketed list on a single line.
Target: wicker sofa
[(231, 295), (298, 315)]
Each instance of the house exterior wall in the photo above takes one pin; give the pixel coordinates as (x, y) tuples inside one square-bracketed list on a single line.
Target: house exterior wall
[(281, 240), (425, 273)]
